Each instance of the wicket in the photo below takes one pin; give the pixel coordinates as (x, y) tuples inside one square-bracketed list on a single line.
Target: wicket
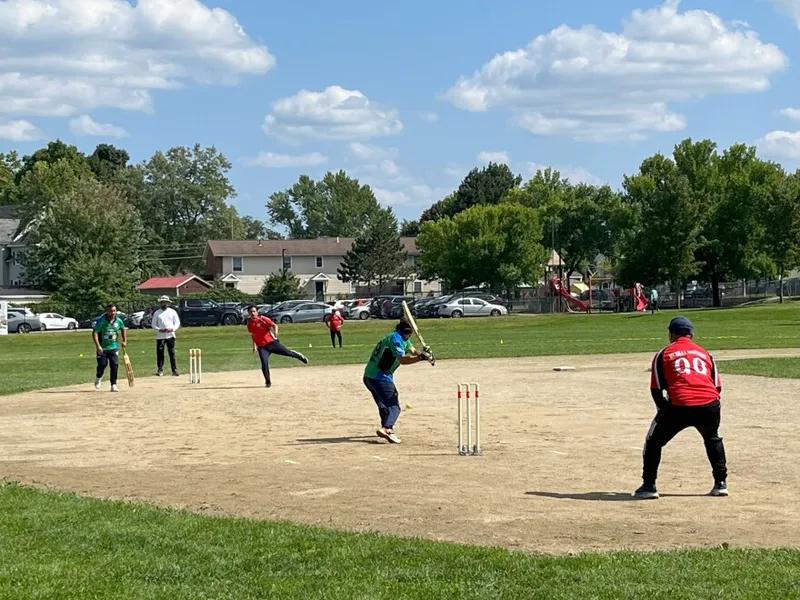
[(469, 448), (195, 365)]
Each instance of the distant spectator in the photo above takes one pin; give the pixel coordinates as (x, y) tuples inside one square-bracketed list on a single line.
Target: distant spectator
[(653, 301), (334, 323), (166, 322)]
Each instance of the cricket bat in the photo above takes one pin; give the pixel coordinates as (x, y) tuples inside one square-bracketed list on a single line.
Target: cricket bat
[(128, 368), (409, 318)]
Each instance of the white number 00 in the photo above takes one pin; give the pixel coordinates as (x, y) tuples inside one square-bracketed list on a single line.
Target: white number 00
[(682, 365)]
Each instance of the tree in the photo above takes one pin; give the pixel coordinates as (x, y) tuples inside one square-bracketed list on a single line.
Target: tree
[(580, 222), (82, 228), (47, 182), (662, 242), (106, 161), (488, 185), (780, 219), (495, 245), (255, 229), (52, 153), (409, 228), (281, 286), (338, 205), (184, 203), (377, 256), (10, 164)]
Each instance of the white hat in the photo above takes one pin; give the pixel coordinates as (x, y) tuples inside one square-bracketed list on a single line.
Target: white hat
[(164, 299)]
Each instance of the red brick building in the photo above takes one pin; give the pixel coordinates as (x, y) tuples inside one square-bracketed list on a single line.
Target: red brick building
[(173, 286)]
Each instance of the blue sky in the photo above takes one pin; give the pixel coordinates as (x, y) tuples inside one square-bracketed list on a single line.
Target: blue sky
[(407, 97)]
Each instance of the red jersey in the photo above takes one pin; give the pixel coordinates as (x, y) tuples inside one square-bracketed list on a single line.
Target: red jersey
[(335, 322), (687, 372), (259, 328)]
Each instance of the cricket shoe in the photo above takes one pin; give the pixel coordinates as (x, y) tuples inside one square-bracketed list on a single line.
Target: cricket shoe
[(646, 492), (97, 384), (720, 489), (268, 384), (391, 436), (159, 373), (114, 388), (303, 359)]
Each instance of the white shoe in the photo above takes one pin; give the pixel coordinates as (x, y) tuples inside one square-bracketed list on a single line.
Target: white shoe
[(391, 436), (114, 388), (97, 384)]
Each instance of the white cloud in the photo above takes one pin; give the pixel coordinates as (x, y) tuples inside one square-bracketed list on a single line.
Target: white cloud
[(392, 183), (790, 113), (19, 131), (595, 85), (573, 174), (496, 157), (270, 160), (61, 57), (782, 144), (369, 152), (332, 114), (790, 8), (87, 126)]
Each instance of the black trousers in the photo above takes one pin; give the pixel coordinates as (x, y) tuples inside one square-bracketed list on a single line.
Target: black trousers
[(106, 358), (669, 422), (274, 348), (334, 335), (169, 343)]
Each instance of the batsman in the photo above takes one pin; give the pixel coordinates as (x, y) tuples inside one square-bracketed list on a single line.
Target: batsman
[(394, 349)]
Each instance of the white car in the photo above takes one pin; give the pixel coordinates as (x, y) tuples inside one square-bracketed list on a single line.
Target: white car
[(56, 321), (471, 307)]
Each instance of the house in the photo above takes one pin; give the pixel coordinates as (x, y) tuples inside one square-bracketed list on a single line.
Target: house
[(12, 249), (13, 281), (174, 286), (245, 264)]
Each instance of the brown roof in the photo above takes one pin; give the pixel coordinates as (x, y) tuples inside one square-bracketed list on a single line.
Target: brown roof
[(324, 246)]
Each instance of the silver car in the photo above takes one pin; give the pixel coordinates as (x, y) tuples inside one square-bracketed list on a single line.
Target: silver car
[(471, 307), (19, 322), (303, 313)]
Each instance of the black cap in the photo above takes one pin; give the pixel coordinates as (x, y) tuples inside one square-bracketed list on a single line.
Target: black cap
[(681, 326), (404, 327)]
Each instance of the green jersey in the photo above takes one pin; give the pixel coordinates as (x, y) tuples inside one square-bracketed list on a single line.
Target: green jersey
[(384, 359), (108, 332)]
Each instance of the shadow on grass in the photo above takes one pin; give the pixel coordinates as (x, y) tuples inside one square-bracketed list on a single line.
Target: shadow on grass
[(363, 439)]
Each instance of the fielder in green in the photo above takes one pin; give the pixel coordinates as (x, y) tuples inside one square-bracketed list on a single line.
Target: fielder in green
[(106, 333), (394, 349)]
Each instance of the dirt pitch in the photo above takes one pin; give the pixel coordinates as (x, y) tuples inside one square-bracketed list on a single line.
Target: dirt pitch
[(562, 453)]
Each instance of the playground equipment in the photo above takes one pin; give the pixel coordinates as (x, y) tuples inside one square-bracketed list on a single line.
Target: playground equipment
[(638, 300)]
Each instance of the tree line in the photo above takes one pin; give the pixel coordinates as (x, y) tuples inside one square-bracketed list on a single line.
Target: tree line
[(97, 225)]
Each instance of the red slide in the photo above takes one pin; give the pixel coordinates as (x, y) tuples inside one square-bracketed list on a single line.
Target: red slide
[(557, 287), (639, 299)]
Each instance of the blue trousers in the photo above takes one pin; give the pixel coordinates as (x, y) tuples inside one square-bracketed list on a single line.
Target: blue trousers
[(386, 397)]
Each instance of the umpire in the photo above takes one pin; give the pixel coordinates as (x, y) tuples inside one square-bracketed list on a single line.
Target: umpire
[(689, 376), (166, 322)]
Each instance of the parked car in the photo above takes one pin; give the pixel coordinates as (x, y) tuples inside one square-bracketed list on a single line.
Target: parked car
[(57, 321), (203, 311), (308, 312), (360, 312), (431, 308), (19, 322), (396, 306), (283, 306), (471, 307)]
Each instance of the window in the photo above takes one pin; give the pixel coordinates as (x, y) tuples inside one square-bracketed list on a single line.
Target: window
[(287, 263), (230, 285), (319, 262), (417, 287), (237, 264)]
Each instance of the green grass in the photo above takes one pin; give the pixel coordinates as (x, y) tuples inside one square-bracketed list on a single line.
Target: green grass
[(46, 360), (787, 367), (58, 546)]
